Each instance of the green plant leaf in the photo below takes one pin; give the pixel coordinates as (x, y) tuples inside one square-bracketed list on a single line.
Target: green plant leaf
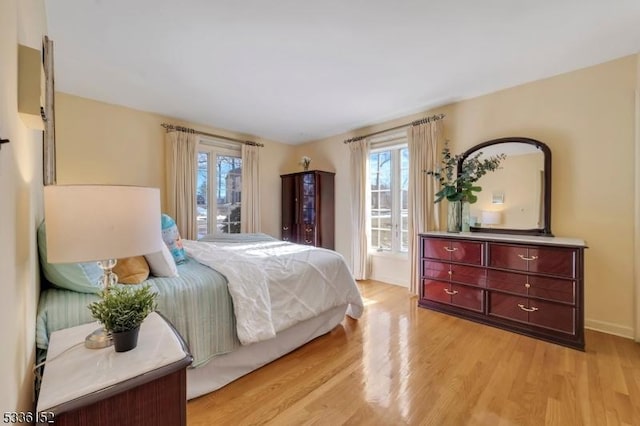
[(459, 186), (123, 308)]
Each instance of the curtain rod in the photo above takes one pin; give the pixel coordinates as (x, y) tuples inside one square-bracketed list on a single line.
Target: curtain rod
[(169, 127), (413, 123)]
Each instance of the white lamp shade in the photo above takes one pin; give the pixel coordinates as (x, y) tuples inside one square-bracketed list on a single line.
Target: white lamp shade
[(491, 217), (99, 222)]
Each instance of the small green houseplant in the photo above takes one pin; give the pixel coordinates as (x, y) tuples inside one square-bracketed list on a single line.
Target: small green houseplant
[(121, 310), (459, 187)]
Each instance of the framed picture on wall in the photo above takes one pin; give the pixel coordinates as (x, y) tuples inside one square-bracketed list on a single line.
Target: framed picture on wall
[(48, 115)]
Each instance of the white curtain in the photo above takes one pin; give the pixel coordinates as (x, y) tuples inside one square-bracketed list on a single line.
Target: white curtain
[(250, 217), (181, 168), (359, 206), (424, 140)]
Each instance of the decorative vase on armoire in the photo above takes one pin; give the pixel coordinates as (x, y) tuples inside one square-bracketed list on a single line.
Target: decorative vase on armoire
[(308, 208)]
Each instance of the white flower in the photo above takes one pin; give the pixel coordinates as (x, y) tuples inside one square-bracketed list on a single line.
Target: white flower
[(305, 161)]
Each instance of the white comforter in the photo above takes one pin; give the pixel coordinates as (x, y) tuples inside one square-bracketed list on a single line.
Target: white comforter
[(275, 284)]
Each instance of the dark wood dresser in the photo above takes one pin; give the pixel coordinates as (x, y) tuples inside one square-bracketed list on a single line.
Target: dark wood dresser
[(526, 284)]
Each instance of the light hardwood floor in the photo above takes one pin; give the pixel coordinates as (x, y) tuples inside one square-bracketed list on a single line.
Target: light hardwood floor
[(400, 364)]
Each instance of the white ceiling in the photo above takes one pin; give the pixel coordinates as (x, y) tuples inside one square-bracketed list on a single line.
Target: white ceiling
[(299, 70)]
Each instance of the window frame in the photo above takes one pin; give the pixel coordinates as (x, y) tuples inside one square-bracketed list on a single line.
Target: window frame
[(214, 147), (393, 143)]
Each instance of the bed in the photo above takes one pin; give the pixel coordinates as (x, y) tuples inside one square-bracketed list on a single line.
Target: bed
[(240, 301)]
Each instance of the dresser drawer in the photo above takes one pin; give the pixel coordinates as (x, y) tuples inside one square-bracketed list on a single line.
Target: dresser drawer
[(558, 261), (453, 250), (436, 290), (464, 274), (531, 285), (453, 294), (467, 297), (535, 312)]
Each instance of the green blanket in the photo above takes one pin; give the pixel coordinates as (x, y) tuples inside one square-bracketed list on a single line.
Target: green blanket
[(197, 303)]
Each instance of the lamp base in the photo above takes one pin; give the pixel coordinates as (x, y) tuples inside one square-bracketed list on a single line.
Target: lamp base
[(98, 339)]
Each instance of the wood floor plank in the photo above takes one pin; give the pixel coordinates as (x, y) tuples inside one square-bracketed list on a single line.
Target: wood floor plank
[(400, 364)]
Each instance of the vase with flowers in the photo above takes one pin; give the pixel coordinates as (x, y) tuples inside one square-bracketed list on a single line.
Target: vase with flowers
[(305, 162), (457, 182)]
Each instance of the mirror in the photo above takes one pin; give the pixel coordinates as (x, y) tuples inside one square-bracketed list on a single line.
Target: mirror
[(516, 198)]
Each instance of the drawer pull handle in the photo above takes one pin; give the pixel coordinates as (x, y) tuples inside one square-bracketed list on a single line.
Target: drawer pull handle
[(449, 292), (308, 241), (523, 257), (285, 228), (527, 285), (450, 272), (532, 309), (451, 249)]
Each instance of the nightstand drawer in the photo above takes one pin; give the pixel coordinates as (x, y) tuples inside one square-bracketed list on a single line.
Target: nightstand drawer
[(452, 250), (535, 312), (558, 261), (532, 285)]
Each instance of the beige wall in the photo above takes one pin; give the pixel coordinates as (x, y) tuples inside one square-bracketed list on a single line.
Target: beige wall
[(587, 119), (109, 144), (21, 22), (581, 115)]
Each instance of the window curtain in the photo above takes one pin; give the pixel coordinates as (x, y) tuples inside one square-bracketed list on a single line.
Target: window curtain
[(181, 169), (359, 158), (424, 140), (250, 216)]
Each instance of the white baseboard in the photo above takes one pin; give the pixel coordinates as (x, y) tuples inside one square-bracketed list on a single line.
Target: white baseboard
[(609, 328), (389, 280)]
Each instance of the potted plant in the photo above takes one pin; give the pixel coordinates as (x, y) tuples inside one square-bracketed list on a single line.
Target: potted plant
[(121, 311), (459, 188)]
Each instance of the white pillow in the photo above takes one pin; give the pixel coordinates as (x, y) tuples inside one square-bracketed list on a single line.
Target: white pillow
[(162, 263)]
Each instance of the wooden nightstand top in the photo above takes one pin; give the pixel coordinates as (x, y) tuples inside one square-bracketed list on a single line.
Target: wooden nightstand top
[(81, 376)]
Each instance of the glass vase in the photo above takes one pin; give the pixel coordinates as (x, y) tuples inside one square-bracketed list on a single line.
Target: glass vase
[(466, 216), (454, 216)]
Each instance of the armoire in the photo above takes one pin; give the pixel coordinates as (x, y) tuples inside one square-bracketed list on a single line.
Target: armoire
[(308, 208)]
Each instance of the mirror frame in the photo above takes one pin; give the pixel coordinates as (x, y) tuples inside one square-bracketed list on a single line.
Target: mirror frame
[(544, 231)]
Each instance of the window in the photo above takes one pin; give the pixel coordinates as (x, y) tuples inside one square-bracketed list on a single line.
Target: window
[(389, 185), (219, 189)]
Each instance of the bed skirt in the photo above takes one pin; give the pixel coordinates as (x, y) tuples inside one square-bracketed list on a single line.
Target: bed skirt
[(223, 369)]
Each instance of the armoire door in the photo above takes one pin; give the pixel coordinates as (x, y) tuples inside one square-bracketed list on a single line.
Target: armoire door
[(289, 206)]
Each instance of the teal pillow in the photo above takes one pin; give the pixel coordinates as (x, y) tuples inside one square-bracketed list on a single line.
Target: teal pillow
[(171, 237), (79, 277)]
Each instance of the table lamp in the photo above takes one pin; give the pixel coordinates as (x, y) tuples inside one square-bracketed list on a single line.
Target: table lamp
[(490, 217), (101, 223)]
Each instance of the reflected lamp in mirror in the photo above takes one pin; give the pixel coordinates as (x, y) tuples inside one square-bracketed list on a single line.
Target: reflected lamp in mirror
[(101, 223), (491, 217)]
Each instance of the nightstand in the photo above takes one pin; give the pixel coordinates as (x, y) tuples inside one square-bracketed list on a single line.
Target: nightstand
[(144, 386)]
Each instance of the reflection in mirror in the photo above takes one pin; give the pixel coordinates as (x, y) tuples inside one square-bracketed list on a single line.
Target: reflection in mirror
[(514, 198)]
